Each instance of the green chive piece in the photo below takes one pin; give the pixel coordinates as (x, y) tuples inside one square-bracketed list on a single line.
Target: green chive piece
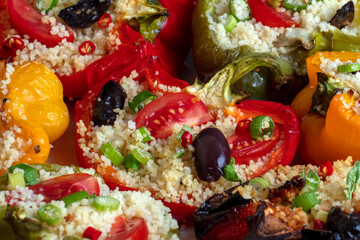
[(179, 153), (233, 11), (16, 179), (230, 23), (145, 133), (112, 154), (306, 201), (46, 5), (230, 173), (75, 197), (105, 203), (347, 68), (30, 174), (141, 155), (50, 214), (184, 128), (259, 183), (131, 162), (296, 5), (141, 100), (261, 126)]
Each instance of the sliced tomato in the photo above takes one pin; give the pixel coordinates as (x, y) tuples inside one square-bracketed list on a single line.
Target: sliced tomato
[(134, 229), (27, 20), (244, 148), (162, 114), (269, 16), (59, 187)]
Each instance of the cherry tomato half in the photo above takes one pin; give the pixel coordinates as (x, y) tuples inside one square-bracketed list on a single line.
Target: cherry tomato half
[(27, 20), (134, 229), (59, 187), (244, 148), (162, 114)]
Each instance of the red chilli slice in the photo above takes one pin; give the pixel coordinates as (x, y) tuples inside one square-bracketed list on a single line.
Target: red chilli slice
[(105, 20), (14, 43), (87, 48), (92, 233), (327, 168), (186, 139)]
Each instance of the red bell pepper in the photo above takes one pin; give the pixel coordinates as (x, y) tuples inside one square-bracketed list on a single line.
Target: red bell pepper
[(288, 126), (172, 43), (84, 108), (269, 16)]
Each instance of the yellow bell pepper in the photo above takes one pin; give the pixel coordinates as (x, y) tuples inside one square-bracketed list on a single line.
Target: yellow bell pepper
[(34, 106), (334, 136), (36, 96)]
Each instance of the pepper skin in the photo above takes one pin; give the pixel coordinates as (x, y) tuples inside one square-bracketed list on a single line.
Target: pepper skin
[(35, 96), (334, 136)]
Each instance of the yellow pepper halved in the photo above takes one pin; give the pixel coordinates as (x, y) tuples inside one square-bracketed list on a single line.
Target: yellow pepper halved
[(34, 106), (334, 136)]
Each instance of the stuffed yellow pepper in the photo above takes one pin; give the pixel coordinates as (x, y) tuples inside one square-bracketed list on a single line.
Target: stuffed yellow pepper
[(33, 113)]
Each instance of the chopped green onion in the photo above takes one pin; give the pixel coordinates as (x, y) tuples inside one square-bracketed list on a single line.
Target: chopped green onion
[(104, 203), (131, 162), (16, 179), (261, 126), (145, 133), (46, 5), (179, 153), (234, 14), (140, 100), (141, 155), (183, 129), (50, 214), (259, 184), (352, 67), (296, 5), (75, 197), (322, 215), (312, 181), (306, 201), (111, 153), (230, 23), (30, 174), (230, 173)]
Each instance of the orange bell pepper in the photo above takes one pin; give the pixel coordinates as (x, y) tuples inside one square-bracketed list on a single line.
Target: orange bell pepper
[(334, 136)]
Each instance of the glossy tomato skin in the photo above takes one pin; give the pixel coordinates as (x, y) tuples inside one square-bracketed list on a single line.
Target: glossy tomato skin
[(59, 187), (244, 148), (162, 114), (268, 15), (134, 229), (27, 20)]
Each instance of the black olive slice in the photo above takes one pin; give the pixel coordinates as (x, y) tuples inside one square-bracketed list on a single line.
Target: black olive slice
[(344, 16), (84, 13)]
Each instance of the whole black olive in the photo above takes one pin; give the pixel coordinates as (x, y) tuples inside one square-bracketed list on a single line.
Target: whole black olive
[(212, 153), (111, 96), (84, 13)]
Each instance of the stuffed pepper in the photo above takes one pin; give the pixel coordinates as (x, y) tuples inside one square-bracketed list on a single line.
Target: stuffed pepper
[(33, 113), (224, 30), (44, 201), (298, 202), (183, 144), (68, 35), (328, 107)]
